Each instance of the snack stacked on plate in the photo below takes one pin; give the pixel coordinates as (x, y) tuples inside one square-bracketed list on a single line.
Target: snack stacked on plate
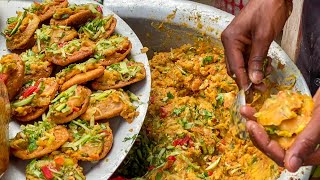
[(65, 83)]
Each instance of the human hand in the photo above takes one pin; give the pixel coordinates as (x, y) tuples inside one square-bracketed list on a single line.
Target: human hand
[(248, 37), (302, 152)]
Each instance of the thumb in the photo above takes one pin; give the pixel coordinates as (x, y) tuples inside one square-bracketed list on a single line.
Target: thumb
[(305, 143), (258, 61)]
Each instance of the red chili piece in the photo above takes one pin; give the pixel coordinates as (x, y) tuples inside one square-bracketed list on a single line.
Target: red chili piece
[(182, 141), (46, 172)]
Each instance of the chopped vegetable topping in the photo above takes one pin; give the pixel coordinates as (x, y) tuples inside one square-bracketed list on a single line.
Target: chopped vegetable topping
[(32, 136), (84, 133), (9, 31), (97, 27), (65, 49)]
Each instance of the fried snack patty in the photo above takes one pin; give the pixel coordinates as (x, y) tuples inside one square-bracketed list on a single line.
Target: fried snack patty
[(79, 73), (97, 141), (47, 35), (62, 166), (108, 104), (34, 100), (285, 115), (75, 15), (38, 140), (46, 9), (20, 30), (70, 52), (120, 75), (99, 28), (36, 66), (69, 104), (112, 50), (12, 70)]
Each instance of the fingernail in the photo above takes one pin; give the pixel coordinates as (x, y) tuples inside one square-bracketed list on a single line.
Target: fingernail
[(257, 77), (295, 163)]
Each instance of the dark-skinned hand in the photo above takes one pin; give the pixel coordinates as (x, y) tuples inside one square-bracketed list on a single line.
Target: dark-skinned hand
[(302, 152)]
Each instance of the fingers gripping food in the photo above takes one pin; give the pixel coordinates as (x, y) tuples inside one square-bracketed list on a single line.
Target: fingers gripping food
[(112, 50), (108, 104), (38, 140), (19, 31), (36, 66), (69, 104), (88, 142), (12, 73), (69, 52), (98, 28), (76, 15), (55, 166), (79, 73), (47, 35), (46, 9), (119, 75), (285, 115), (34, 99)]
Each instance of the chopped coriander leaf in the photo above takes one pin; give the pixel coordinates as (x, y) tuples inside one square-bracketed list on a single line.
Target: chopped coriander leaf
[(178, 111), (170, 96), (220, 98), (207, 60)]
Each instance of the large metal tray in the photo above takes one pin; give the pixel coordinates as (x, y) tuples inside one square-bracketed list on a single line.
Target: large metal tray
[(163, 24), (121, 129)]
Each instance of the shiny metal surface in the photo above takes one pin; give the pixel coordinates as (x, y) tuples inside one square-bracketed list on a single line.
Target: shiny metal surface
[(161, 25), (120, 128)]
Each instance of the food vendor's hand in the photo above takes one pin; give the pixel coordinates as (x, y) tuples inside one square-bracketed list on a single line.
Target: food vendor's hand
[(260, 138), (303, 151), (248, 37)]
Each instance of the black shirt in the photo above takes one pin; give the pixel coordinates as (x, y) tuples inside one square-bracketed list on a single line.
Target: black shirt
[(309, 57)]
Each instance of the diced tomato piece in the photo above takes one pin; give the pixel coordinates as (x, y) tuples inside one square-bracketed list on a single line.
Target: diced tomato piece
[(76, 109), (163, 112), (172, 158), (99, 9), (150, 168), (4, 77), (210, 173), (59, 161), (46, 172)]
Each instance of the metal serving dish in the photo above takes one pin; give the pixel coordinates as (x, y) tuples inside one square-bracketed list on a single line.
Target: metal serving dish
[(163, 24), (122, 131)]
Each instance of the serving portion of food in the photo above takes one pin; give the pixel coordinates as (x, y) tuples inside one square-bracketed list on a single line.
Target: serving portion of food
[(188, 132), (88, 141), (4, 128), (119, 75), (37, 140), (49, 85), (108, 104), (34, 99), (12, 70), (285, 115), (55, 166), (36, 66)]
